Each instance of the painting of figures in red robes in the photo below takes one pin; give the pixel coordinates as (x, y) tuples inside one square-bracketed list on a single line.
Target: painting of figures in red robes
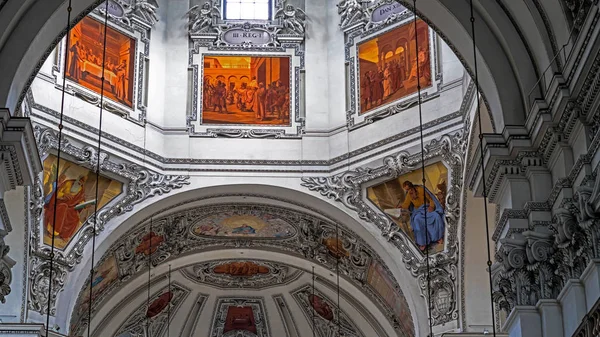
[(69, 202), (388, 65), (246, 90), (85, 59)]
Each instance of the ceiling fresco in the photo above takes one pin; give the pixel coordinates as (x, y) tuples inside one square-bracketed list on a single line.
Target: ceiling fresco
[(247, 274), (307, 236)]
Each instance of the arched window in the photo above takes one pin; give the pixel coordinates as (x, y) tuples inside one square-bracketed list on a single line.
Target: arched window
[(247, 9)]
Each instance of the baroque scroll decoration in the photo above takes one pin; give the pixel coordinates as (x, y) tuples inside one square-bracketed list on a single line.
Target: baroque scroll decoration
[(132, 12), (6, 264), (140, 184), (259, 321), (348, 188), (536, 263), (325, 312), (177, 235), (270, 275), (281, 36), (361, 20), (136, 324)]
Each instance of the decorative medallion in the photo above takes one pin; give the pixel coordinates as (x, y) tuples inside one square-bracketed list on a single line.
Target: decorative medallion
[(242, 274)]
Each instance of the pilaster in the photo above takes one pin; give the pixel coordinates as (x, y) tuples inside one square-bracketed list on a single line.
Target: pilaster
[(19, 166), (591, 282), (524, 321), (551, 315), (572, 300)]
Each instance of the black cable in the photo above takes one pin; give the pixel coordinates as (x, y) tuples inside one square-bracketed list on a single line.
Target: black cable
[(423, 171), (60, 127), (149, 276), (95, 223), (313, 299), (169, 305), (337, 272), (485, 206)]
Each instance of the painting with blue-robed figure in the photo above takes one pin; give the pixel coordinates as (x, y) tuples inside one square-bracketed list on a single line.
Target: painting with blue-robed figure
[(418, 209)]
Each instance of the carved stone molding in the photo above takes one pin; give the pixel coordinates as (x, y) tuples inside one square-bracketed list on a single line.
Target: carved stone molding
[(348, 188)]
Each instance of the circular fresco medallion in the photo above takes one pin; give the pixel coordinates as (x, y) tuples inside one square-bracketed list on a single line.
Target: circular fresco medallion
[(230, 223)]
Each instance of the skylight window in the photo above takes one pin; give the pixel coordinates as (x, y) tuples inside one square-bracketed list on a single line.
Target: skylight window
[(247, 9)]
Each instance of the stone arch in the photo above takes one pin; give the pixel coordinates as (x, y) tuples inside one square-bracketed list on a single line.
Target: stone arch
[(506, 74), (275, 195)]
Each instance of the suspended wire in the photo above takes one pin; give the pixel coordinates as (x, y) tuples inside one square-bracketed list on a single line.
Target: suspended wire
[(313, 298), (149, 277), (95, 223), (55, 196), (337, 272), (169, 305), (423, 172), (485, 206)]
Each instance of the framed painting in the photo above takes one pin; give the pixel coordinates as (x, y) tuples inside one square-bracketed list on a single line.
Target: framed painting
[(246, 90), (403, 200), (70, 201), (388, 65), (85, 60)]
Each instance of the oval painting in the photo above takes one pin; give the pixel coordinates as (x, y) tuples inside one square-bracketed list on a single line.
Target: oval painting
[(256, 225)]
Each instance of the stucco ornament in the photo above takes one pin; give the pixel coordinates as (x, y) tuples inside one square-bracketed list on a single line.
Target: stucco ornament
[(293, 19), (137, 323), (325, 313), (140, 184), (352, 12), (349, 188), (5, 269), (259, 321), (203, 18), (578, 10), (131, 12), (179, 235)]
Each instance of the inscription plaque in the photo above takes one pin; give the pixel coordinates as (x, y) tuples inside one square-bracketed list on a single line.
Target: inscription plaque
[(381, 13), (242, 36)]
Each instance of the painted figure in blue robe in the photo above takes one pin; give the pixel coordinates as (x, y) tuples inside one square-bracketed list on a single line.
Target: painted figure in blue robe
[(414, 201), (244, 229)]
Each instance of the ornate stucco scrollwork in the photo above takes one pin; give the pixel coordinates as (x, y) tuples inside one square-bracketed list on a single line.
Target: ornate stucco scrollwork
[(137, 323), (579, 10), (325, 313), (5, 269), (39, 284), (189, 232), (352, 12), (347, 188), (292, 19), (130, 11), (140, 183), (203, 18)]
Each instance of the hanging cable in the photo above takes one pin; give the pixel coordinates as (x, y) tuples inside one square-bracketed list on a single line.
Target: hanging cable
[(337, 272), (423, 172), (485, 206), (149, 277), (95, 223), (169, 305), (55, 196), (313, 299)]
